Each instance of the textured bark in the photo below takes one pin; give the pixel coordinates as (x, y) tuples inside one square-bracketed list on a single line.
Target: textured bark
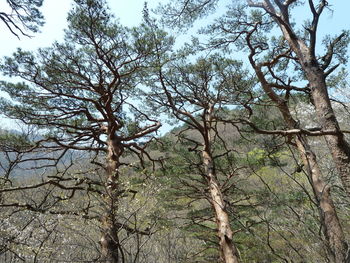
[(337, 144), (333, 232), (109, 240), (315, 74), (111, 251), (227, 248), (228, 252), (334, 236)]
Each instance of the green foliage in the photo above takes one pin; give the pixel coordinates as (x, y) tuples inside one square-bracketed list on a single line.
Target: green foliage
[(24, 16), (10, 141)]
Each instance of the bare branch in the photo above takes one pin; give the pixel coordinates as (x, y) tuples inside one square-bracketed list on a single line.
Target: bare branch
[(309, 132)]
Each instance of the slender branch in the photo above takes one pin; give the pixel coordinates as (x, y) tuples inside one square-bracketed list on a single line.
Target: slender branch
[(327, 58), (309, 132)]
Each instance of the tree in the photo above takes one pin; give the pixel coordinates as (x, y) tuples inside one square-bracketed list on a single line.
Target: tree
[(333, 232), (316, 69), (276, 77), (79, 93), (23, 16), (196, 94)]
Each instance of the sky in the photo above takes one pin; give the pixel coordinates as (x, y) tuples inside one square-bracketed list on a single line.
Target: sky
[(130, 14), (55, 11)]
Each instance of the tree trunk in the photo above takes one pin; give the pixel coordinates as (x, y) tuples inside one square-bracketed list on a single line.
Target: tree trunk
[(109, 240), (333, 232), (228, 251), (338, 146), (110, 247)]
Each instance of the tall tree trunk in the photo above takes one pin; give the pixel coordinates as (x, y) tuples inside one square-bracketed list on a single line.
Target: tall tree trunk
[(334, 236), (315, 74), (335, 241), (337, 144), (110, 246), (333, 232), (228, 251)]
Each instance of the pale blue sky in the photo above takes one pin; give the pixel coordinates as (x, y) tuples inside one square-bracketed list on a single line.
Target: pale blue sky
[(55, 11), (129, 12)]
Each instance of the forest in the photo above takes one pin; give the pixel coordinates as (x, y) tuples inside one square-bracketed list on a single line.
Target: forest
[(150, 144)]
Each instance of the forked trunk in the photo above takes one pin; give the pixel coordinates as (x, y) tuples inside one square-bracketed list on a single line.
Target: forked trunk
[(338, 146), (333, 232)]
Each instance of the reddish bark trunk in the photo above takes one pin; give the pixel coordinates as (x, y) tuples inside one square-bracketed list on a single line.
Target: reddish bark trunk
[(332, 229), (110, 247), (228, 252), (338, 146), (227, 248)]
